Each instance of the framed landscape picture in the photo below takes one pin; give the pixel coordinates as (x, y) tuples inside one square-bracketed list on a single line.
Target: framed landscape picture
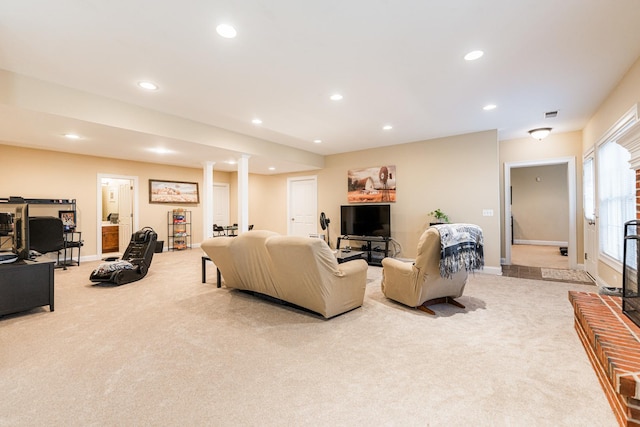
[(173, 191), (372, 185)]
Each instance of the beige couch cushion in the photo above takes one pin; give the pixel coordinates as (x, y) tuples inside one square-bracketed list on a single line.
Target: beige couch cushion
[(300, 270), (307, 274), (243, 261)]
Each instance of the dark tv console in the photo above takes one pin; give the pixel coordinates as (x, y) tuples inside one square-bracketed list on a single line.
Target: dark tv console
[(25, 285), (372, 253)]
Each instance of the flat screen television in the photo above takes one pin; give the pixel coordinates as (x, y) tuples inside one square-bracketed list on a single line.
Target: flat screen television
[(365, 220), (21, 231)]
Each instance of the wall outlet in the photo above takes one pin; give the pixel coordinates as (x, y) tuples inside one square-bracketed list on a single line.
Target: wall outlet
[(487, 212)]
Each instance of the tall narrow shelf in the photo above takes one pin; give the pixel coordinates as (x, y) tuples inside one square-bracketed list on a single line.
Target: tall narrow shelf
[(178, 230)]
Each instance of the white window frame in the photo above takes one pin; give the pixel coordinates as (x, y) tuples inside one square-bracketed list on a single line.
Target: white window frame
[(613, 134)]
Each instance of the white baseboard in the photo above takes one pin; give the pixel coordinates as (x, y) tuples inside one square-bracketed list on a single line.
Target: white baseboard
[(495, 271), (539, 242)]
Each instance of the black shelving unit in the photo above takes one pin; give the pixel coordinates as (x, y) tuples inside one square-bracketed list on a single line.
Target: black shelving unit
[(178, 230)]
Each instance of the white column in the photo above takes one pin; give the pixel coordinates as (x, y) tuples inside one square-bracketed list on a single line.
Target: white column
[(207, 199), (243, 193)]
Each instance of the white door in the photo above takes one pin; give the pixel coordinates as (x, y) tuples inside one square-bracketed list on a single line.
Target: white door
[(125, 214), (221, 204), (303, 206), (589, 209)]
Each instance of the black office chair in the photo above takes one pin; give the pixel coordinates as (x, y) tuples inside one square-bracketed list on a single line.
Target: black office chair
[(46, 234)]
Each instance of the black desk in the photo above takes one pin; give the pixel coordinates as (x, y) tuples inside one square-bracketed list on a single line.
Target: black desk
[(25, 285)]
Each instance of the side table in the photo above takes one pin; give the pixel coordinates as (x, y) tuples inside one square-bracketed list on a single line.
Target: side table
[(204, 271), (344, 256)]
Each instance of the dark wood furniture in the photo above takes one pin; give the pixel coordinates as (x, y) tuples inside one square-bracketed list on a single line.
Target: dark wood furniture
[(110, 238), (25, 285)]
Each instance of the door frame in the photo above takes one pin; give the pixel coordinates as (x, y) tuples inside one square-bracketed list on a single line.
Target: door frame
[(135, 207), (571, 181), (589, 225), (290, 182)]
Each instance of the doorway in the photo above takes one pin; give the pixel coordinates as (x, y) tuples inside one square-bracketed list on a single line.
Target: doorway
[(221, 204), (302, 209), (568, 219), (117, 213)]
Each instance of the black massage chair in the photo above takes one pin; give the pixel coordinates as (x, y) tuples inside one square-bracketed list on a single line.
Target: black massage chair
[(135, 261)]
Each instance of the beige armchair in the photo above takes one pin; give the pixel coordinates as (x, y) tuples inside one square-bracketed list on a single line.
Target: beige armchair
[(419, 284)]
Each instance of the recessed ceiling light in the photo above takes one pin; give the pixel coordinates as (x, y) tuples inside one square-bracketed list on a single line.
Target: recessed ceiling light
[(271, 168), (71, 136), (387, 127), (227, 31), (489, 107), (317, 141), (147, 85), (473, 55), (336, 97), (160, 150), (256, 121), (230, 162)]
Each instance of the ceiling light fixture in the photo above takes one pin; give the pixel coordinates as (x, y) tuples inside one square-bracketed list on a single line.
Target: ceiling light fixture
[(336, 97), (71, 136), (147, 85), (489, 107), (271, 168), (227, 31), (256, 121), (540, 133), (387, 127), (317, 141), (473, 55)]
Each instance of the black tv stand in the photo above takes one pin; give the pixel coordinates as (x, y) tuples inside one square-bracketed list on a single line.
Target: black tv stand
[(372, 253)]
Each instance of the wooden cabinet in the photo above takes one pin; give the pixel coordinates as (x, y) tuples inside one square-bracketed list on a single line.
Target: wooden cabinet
[(110, 239)]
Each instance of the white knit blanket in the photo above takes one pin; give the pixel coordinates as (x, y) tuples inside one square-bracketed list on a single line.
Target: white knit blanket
[(462, 248)]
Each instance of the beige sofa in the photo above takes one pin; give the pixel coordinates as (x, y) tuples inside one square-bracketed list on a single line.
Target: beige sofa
[(299, 270), (419, 284)]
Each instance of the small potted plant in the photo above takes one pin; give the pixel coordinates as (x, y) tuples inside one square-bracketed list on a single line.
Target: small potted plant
[(441, 217)]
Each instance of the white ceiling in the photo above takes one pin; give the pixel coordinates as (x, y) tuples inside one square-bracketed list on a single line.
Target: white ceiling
[(396, 62)]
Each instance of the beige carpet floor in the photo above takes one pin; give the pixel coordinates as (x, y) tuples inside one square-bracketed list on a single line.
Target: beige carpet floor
[(169, 350)]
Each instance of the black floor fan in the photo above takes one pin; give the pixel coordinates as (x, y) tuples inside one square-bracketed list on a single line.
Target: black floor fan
[(324, 223)]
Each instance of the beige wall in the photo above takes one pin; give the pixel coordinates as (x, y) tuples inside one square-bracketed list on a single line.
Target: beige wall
[(617, 103), (457, 174), (555, 146), (540, 204), (53, 175)]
